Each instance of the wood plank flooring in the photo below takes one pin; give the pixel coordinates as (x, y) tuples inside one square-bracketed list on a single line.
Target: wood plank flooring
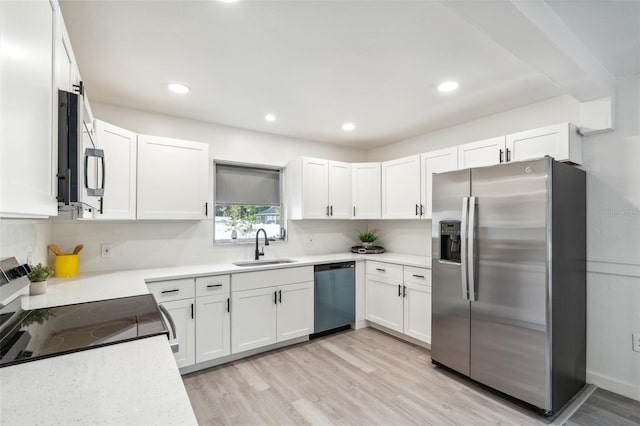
[(362, 377), (607, 408)]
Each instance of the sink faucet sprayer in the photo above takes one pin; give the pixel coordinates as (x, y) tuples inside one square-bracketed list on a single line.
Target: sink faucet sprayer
[(266, 243)]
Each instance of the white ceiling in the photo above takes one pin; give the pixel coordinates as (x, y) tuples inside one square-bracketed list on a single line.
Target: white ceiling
[(318, 64)]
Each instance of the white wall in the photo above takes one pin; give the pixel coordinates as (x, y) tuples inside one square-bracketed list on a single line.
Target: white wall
[(144, 244), (27, 240), (612, 162)]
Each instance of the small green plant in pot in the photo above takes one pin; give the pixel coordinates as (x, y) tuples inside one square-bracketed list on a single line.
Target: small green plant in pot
[(38, 277), (367, 238)]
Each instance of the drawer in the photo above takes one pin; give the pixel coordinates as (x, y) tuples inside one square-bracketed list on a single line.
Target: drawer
[(165, 291), (271, 278), (214, 284), (417, 275), (390, 271)]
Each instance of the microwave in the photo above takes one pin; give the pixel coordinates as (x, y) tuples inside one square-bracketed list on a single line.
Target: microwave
[(81, 165)]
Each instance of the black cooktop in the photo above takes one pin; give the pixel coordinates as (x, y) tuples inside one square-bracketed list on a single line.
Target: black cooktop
[(47, 332)]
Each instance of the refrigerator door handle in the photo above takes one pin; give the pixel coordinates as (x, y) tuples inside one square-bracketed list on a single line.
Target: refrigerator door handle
[(463, 247), (471, 245)]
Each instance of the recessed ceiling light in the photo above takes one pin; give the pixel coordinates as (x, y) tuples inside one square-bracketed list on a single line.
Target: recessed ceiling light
[(270, 118), (347, 127), (448, 86), (178, 88)]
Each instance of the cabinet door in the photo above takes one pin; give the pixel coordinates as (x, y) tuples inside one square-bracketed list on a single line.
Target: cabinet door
[(417, 311), (27, 173), (440, 161), (173, 178), (562, 142), (365, 190), (482, 153), (213, 327), (295, 310), (315, 188), (64, 59), (401, 188), (384, 303), (182, 312), (339, 190), (253, 314), (119, 145)]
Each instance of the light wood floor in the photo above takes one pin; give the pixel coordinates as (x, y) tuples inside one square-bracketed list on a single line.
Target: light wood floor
[(607, 408), (362, 377)]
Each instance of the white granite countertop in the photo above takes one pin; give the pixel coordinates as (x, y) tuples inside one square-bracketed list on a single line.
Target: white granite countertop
[(129, 383), (132, 383)]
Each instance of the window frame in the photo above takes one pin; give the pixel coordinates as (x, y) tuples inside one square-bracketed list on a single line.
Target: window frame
[(283, 203)]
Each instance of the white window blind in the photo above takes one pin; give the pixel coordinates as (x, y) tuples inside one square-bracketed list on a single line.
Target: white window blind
[(247, 185)]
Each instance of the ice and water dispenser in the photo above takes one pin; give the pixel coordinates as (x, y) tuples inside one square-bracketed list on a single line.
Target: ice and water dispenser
[(450, 241)]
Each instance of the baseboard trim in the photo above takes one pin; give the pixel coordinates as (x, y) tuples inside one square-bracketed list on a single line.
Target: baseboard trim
[(399, 335), (607, 267), (609, 383)]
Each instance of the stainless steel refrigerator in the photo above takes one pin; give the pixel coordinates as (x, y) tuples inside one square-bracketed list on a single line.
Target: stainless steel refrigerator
[(509, 278)]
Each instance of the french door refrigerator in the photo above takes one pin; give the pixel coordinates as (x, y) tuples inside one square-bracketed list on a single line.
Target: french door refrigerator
[(509, 278)]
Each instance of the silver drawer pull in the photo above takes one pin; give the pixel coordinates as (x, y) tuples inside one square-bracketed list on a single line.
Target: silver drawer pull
[(214, 285), (381, 270), (175, 290), (418, 276)]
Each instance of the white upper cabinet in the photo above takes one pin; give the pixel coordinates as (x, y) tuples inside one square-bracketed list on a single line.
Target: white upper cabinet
[(339, 190), (365, 192), (481, 153), (562, 142), (440, 161), (173, 178), (401, 188), (315, 184), (28, 158), (320, 189), (120, 149)]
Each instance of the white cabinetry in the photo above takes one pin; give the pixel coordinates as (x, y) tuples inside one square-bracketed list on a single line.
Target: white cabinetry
[(562, 142), (213, 318), (366, 191), (269, 307), (440, 161), (401, 188), (399, 298), (173, 177), (27, 146), (120, 148), (481, 153), (321, 189), (177, 296)]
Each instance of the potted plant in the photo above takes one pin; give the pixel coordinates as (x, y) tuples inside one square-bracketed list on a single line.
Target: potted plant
[(38, 277), (367, 237)]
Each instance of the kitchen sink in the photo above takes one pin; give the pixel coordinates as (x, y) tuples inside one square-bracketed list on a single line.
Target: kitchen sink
[(264, 262)]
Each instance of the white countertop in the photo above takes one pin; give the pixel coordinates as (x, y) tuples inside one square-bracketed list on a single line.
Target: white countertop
[(129, 383), (109, 285), (132, 383)]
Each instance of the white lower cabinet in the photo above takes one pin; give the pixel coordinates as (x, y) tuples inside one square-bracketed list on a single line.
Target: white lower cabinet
[(270, 307), (399, 298), (213, 327), (254, 319), (182, 312)]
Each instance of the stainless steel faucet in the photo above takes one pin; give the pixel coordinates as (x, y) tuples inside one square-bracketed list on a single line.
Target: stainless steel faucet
[(266, 243)]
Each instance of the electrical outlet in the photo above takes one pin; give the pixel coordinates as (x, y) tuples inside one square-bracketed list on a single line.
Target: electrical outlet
[(107, 250), (636, 342), (309, 241)]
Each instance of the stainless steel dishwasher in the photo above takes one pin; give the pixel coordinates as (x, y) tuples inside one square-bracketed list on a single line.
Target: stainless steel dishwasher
[(335, 296)]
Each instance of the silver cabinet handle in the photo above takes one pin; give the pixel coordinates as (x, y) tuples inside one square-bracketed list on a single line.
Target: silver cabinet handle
[(214, 285), (174, 344), (175, 290)]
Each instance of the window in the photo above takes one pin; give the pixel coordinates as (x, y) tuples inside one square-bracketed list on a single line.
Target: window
[(247, 198)]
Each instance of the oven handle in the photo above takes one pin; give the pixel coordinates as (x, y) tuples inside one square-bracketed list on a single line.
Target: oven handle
[(174, 344)]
